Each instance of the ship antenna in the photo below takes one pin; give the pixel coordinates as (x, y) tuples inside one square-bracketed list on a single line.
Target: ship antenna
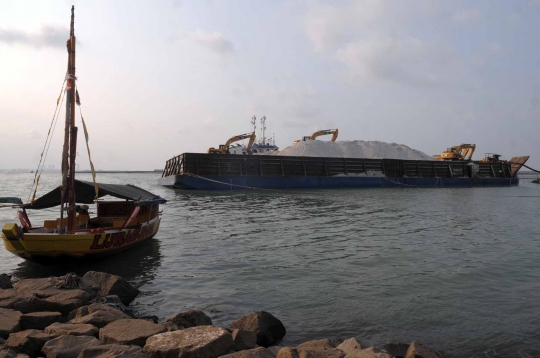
[(263, 125)]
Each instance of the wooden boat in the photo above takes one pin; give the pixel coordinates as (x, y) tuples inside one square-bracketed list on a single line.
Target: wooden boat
[(118, 225)]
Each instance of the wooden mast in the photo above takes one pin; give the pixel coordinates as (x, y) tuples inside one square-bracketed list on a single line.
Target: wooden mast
[(70, 137), (73, 134)]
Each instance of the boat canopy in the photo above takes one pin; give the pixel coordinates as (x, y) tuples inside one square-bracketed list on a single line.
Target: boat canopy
[(85, 193), (10, 200)]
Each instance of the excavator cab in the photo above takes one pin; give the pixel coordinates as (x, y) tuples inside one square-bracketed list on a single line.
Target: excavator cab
[(491, 158), (460, 152), (224, 148)]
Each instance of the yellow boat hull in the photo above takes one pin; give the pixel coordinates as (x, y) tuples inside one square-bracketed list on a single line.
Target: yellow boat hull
[(55, 248)]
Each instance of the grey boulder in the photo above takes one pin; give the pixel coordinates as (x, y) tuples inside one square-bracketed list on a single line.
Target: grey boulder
[(320, 343), (112, 351), (243, 339), (396, 349), (105, 285), (39, 320), (191, 318), (9, 322), (298, 352), (72, 329), (68, 346), (268, 328), (29, 342), (259, 352), (96, 314), (129, 332), (350, 346), (200, 342), (5, 281), (418, 350)]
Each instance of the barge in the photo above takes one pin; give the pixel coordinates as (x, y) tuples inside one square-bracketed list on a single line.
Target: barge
[(199, 171)]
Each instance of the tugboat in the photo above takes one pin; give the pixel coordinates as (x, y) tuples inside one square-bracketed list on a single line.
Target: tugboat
[(118, 225), (262, 146)]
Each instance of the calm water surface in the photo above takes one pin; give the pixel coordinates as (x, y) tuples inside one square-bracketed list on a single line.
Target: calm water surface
[(456, 269)]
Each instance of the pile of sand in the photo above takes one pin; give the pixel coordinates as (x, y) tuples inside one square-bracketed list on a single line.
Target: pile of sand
[(354, 149)]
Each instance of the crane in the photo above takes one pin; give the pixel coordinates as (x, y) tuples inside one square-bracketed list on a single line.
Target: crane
[(459, 152), (224, 148), (319, 133)]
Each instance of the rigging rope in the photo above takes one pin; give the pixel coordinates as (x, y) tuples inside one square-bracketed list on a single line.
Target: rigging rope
[(68, 281), (228, 184), (47, 140), (78, 101)]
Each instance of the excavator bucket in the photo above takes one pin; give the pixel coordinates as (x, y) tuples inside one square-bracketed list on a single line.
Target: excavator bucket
[(517, 163)]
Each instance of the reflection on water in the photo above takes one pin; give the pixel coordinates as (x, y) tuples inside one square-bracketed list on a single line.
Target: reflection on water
[(137, 265)]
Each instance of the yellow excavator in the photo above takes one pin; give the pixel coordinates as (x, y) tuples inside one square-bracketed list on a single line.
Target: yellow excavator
[(319, 133), (459, 152), (492, 158), (224, 148)]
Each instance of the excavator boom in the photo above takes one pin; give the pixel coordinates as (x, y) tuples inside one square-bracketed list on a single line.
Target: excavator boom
[(459, 152), (224, 148), (319, 133)]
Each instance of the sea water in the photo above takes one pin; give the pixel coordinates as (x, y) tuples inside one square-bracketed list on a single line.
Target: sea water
[(457, 269)]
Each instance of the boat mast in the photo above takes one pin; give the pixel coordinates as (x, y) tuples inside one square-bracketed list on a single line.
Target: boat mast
[(70, 136)]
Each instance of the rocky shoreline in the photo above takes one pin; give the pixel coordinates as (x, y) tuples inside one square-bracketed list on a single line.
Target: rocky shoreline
[(89, 316)]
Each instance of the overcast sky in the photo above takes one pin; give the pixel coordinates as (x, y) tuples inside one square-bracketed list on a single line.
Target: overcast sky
[(159, 78)]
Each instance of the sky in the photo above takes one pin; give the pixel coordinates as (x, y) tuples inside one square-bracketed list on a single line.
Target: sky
[(160, 78)]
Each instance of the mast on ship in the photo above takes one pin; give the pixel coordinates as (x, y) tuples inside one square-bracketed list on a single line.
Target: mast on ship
[(70, 137), (263, 129), (254, 123)]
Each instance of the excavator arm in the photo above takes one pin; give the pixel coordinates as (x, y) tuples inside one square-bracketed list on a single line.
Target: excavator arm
[(459, 152), (334, 133), (469, 150), (224, 148)]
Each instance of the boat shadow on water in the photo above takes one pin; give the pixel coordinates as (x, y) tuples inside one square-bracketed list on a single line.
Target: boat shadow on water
[(137, 265)]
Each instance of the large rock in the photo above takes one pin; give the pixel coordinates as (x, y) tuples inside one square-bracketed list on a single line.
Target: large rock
[(244, 339), (106, 284), (10, 353), (320, 343), (298, 352), (274, 349), (94, 307), (370, 352), (112, 351), (9, 322), (350, 346), (171, 326), (269, 329), (191, 318), (96, 314), (5, 281), (29, 342), (396, 349), (418, 350), (68, 346), (39, 320), (43, 287), (259, 352), (63, 302), (9, 297), (129, 332), (199, 342), (72, 329)]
